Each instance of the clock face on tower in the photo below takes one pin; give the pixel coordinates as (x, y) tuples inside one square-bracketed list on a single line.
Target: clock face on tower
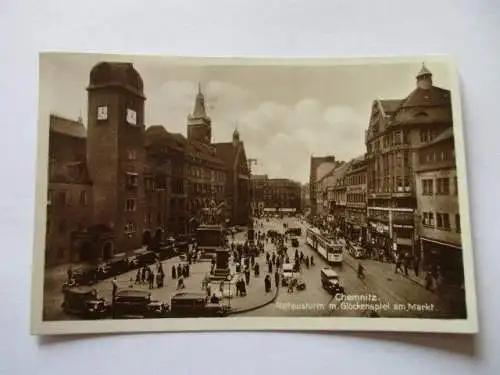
[(131, 117), (102, 113)]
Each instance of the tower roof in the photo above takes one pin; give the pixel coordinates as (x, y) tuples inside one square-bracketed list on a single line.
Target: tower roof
[(199, 105), (423, 71), (116, 74)]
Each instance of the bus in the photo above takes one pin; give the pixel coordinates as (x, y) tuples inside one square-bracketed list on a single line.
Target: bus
[(330, 249)]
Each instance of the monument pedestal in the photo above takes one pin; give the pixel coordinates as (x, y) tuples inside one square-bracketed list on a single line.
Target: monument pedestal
[(222, 270)]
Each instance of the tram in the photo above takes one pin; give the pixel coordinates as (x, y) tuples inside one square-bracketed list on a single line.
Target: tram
[(330, 249)]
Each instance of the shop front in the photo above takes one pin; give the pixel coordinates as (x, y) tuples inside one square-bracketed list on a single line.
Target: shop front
[(379, 237), (443, 260)]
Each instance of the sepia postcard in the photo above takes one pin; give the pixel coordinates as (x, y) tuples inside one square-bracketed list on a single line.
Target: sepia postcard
[(195, 194)]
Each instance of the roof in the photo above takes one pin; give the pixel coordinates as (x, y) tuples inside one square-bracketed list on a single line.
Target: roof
[(204, 151), (189, 295), (71, 128), (226, 152), (81, 290), (389, 106), (116, 74), (431, 97), (423, 71), (133, 293), (329, 272)]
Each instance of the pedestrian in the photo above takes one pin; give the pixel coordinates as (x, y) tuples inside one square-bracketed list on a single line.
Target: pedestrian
[(188, 269), (277, 279), (428, 280), (180, 283), (151, 279), (179, 270), (267, 283), (143, 275), (270, 267), (114, 284), (131, 283), (247, 276), (69, 273), (256, 269), (174, 272), (138, 276)]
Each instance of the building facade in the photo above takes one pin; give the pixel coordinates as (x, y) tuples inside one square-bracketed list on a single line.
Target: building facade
[(438, 209), (355, 215), (319, 167), (397, 128), (277, 195), (237, 183), (69, 198), (258, 186), (337, 198)]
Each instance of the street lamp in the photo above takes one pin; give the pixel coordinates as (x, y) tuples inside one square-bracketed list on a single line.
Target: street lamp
[(250, 231)]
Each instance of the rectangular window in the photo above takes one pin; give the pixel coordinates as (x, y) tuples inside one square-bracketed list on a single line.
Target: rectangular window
[(431, 219), (83, 198), (424, 135), (130, 204), (62, 226), (61, 198), (131, 154), (457, 223), (439, 221), (397, 138), (446, 221), (132, 179), (427, 187), (130, 228), (443, 186)]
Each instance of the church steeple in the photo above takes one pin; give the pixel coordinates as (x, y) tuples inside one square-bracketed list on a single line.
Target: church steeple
[(199, 104), (424, 78), (236, 136), (199, 124)]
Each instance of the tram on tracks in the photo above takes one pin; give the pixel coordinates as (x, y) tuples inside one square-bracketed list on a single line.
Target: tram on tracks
[(330, 249)]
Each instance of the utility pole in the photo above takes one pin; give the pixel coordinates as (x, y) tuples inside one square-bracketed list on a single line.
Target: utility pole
[(251, 231)]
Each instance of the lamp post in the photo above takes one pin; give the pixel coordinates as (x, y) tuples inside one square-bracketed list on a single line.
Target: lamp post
[(250, 231)]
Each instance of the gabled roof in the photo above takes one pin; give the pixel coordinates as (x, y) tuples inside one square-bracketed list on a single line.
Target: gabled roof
[(65, 126), (389, 106)]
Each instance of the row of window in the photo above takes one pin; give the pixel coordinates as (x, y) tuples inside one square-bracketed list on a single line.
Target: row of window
[(442, 221), (356, 197), (207, 189), (439, 186), (206, 174), (400, 138), (388, 184), (356, 179), (61, 198), (436, 156)]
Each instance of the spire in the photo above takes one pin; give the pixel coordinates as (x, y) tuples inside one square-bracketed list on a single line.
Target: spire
[(423, 71), (199, 105), (424, 78)]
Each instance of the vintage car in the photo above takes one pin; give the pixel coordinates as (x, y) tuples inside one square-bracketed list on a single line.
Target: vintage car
[(82, 275), (144, 257), (294, 231), (331, 282), (134, 304), (85, 302), (185, 304), (287, 274), (294, 241)]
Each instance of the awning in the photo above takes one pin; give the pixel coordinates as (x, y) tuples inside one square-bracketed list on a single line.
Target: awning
[(441, 243)]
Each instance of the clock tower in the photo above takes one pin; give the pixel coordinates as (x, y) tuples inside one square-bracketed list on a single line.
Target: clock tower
[(199, 126), (115, 152)]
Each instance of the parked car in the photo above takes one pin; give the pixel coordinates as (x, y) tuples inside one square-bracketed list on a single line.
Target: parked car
[(133, 303), (196, 305), (85, 302)]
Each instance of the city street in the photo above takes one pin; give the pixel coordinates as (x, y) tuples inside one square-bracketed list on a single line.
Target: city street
[(381, 286)]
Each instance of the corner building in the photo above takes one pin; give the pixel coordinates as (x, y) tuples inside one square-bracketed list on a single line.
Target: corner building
[(438, 209), (397, 129)]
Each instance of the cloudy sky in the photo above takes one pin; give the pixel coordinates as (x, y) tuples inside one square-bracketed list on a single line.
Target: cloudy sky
[(284, 114)]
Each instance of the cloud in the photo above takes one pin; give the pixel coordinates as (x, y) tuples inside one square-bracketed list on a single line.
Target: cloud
[(281, 137)]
